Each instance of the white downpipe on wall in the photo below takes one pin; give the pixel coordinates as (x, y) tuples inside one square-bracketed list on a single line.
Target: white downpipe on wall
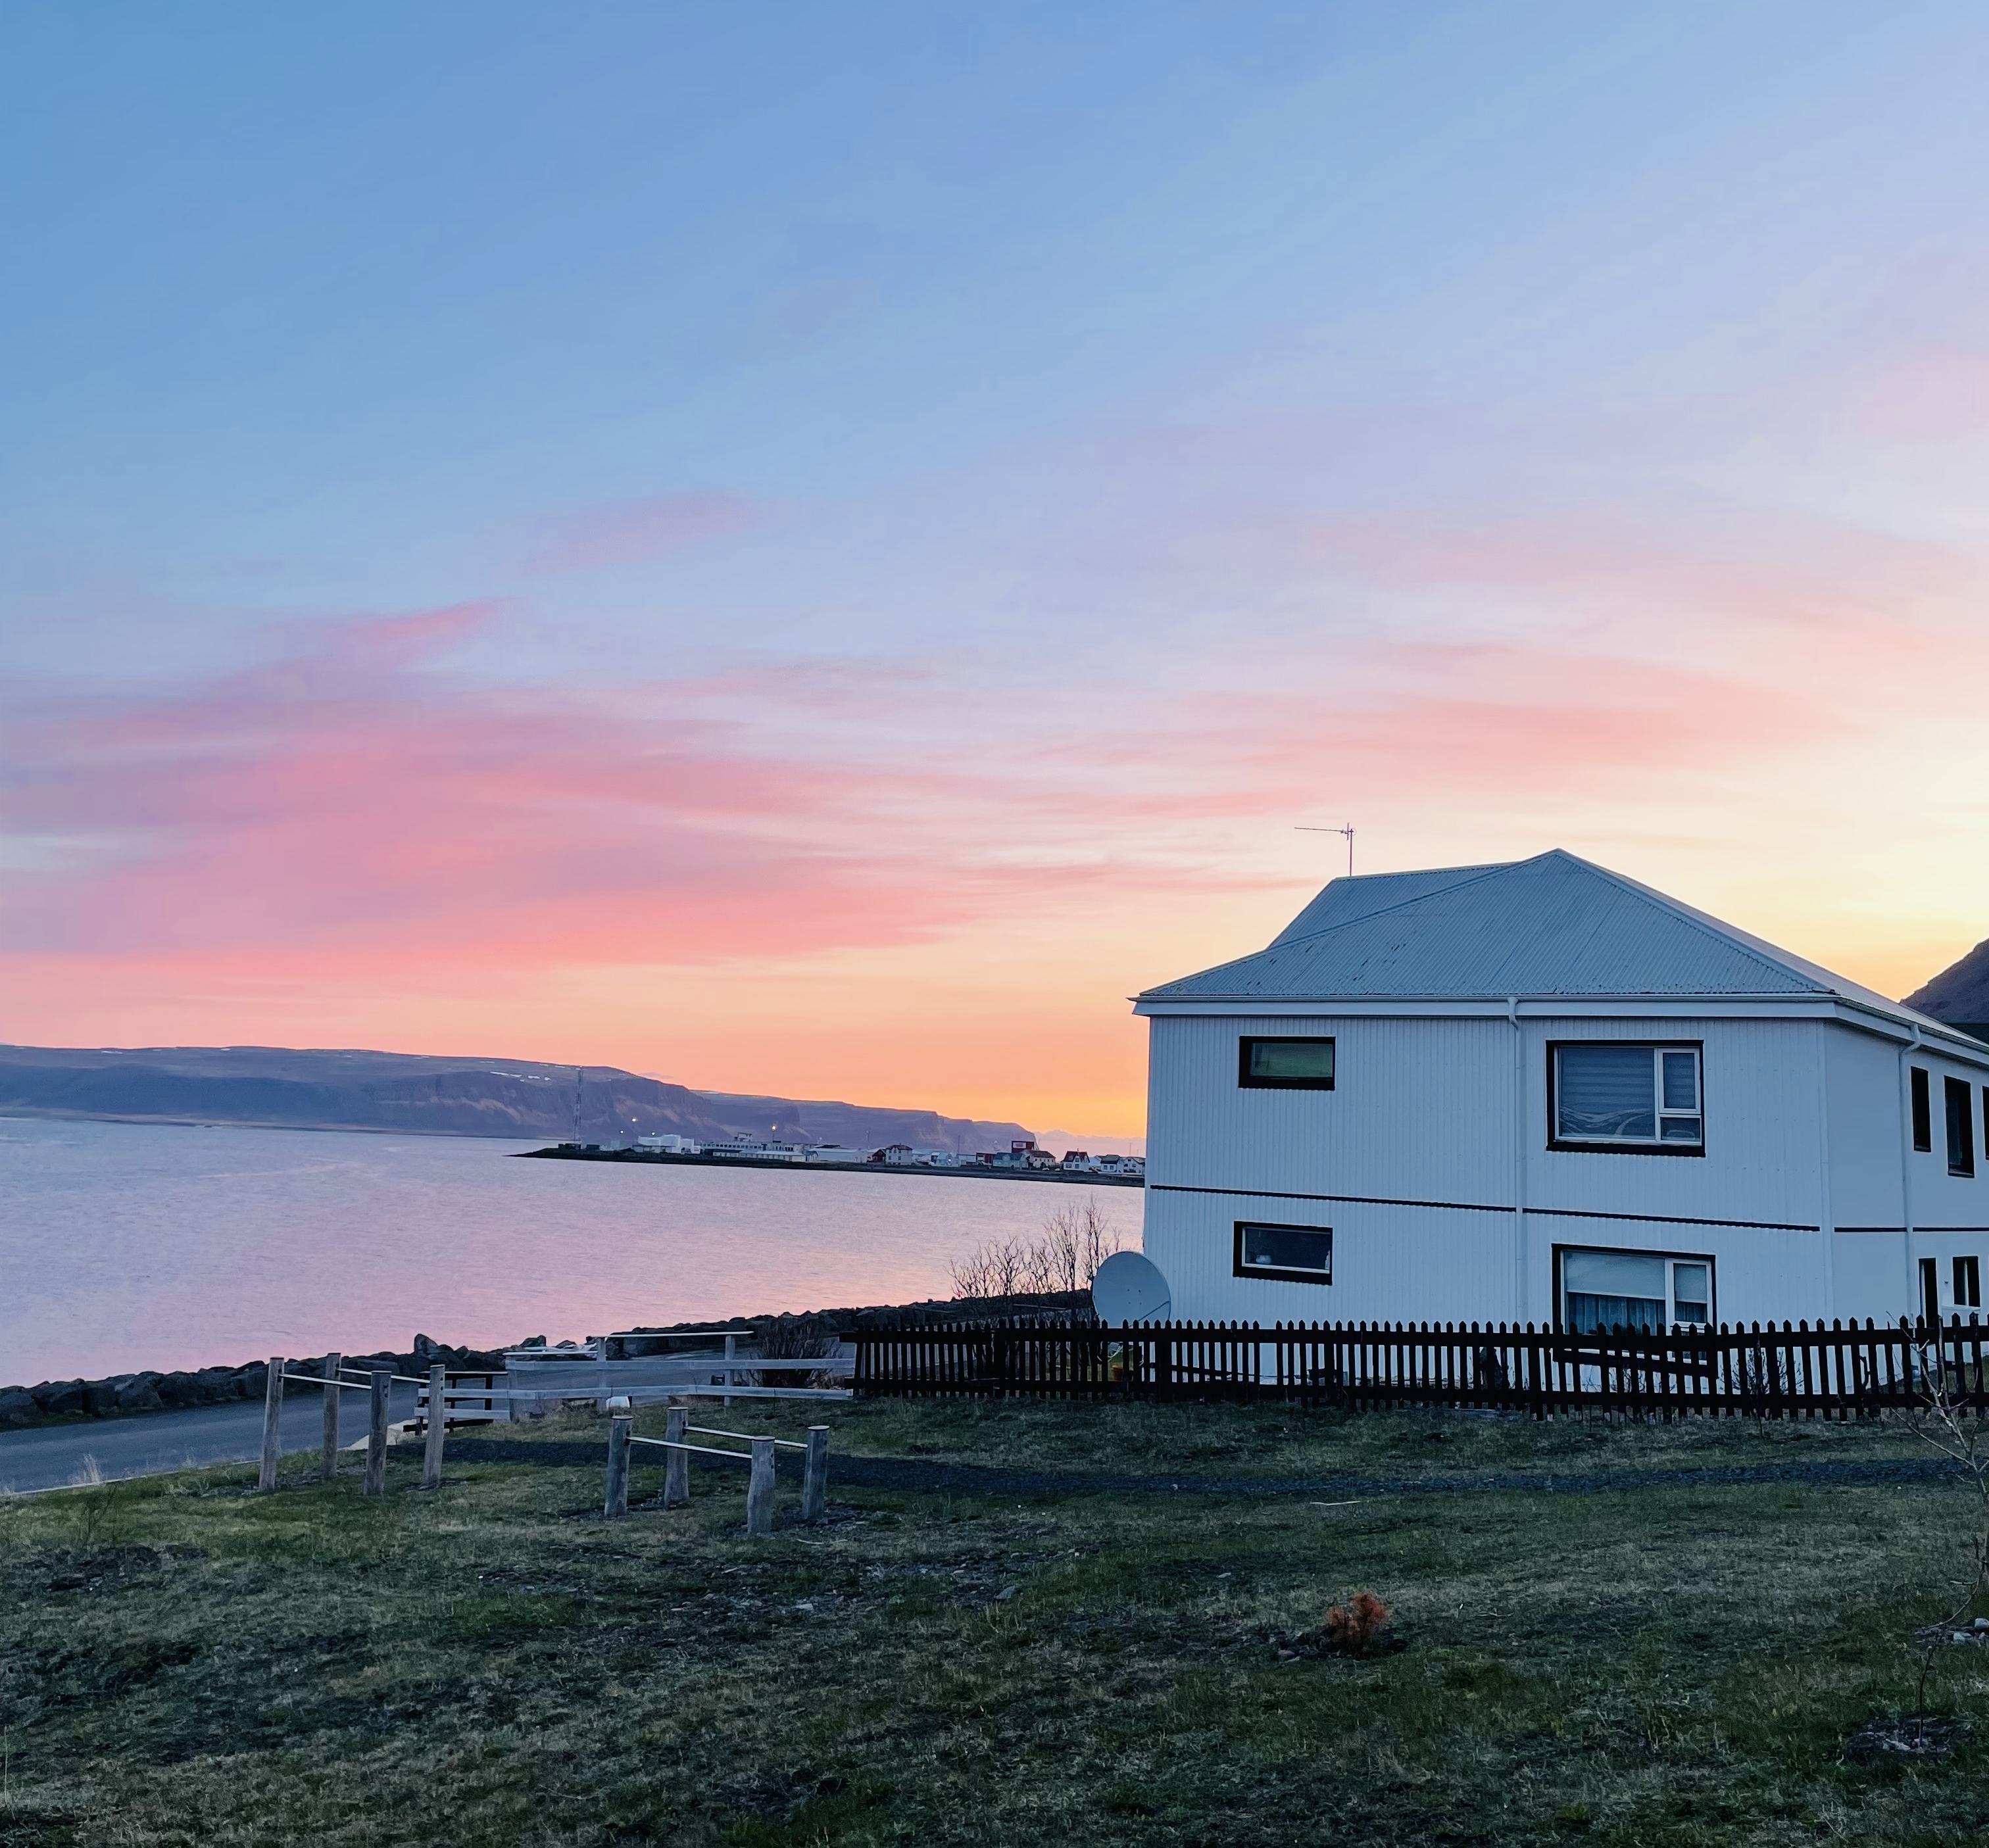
[(1518, 1159), (1826, 1215), (1906, 1167)]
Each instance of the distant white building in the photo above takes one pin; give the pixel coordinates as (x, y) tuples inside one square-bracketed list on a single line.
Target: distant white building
[(1540, 1092), (746, 1147), (833, 1151), (669, 1145)]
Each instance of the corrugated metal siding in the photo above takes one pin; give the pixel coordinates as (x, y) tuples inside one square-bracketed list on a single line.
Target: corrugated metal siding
[(1758, 1276), (1422, 1113), (1420, 1107), (1863, 1075), (1763, 1159), (1387, 1265)]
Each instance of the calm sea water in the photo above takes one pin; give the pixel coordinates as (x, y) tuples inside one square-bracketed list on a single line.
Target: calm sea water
[(124, 1246)]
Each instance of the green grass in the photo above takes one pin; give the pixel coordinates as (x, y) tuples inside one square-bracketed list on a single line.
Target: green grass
[(181, 1661)]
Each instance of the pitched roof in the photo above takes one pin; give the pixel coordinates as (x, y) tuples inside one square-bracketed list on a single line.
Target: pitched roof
[(1554, 925)]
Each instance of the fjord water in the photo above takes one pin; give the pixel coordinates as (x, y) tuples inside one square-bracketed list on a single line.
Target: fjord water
[(124, 1246)]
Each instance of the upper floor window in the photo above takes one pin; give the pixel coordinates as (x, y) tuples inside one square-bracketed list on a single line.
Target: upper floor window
[(1284, 1064), (1961, 1100), (1922, 1111), (1609, 1095)]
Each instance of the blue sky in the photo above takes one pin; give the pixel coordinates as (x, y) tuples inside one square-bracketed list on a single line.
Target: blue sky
[(1087, 440)]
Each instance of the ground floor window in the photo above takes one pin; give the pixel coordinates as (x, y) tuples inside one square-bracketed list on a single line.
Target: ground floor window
[(1967, 1283), (1602, 1290), (1294, 1254)]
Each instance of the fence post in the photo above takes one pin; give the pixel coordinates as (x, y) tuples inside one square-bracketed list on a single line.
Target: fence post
[(617, 1505), (273, 1425), (327, 1467), (760, 1490), (815, 1473), (731, 1348), (382, 1383), (677, 1471), (431, 1451)]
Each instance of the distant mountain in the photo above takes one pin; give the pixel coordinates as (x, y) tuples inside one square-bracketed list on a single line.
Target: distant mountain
[(1959, 996), (278, 1086), (861, 1125)]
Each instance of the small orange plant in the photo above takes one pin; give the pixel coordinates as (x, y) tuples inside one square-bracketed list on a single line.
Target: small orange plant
[(1357, 1627)]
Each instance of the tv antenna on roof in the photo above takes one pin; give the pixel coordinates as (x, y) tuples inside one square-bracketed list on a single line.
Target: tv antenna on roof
[(1347, 831)]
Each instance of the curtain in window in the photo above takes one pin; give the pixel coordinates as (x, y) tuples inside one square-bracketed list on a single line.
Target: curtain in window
[(1613, 1289), (1606, 1091)]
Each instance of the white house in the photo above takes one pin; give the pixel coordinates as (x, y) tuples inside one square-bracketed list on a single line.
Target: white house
[(1541, 1092)]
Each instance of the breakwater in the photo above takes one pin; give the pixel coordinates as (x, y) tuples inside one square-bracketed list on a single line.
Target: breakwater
[(658, 1158)]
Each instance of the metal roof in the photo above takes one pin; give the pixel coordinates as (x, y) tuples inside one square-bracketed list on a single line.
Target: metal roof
[(1554, 925)]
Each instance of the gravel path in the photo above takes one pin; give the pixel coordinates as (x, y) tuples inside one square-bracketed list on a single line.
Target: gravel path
[(917, 1475)]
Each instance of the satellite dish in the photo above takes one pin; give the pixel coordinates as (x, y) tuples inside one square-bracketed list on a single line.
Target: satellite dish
[(1129, 1287)]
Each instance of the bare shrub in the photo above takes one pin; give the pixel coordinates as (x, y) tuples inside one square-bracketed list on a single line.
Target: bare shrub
[(795, 1338), (1063, 1257), (1945, 1419)]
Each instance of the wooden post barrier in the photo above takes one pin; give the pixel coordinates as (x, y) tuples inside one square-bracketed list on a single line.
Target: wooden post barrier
[(676, 1472), (376, 1433), (431, 1450), (760, 1490), (617, 1504), (815, 1473), (731, 1348), (328, 1462), (273, 1425)]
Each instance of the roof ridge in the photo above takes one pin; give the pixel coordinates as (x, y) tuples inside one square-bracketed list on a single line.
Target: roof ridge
[(1759, 948), (1367, 917)]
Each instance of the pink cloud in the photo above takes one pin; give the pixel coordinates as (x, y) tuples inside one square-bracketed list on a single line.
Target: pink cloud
[(350, 804), (637, 532)]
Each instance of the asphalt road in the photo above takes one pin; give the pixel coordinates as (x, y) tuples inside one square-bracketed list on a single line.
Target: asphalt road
[(55, 1455)]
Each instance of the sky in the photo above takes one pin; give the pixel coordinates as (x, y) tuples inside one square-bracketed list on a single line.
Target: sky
[(818, 550)]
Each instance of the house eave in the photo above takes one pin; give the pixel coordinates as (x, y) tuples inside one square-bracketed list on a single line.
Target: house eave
[(1858, 1016)]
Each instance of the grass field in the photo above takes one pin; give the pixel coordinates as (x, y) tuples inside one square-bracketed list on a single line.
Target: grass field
[(181, 1661)]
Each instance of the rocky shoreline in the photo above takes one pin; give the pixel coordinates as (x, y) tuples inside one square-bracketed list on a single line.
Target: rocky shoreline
[(134, 1394), (130, 1395)]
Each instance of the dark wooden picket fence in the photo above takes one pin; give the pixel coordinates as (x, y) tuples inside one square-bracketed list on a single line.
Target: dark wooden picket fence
[(1800, 1372)]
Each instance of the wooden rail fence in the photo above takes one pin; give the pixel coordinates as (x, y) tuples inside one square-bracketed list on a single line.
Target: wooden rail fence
[(1842, 1372)]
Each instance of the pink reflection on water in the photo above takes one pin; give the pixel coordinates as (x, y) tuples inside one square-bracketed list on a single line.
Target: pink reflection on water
[(128, 1246)]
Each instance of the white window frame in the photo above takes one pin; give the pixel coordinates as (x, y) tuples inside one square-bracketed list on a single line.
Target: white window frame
[(1671, 1261), (1655, 1144)]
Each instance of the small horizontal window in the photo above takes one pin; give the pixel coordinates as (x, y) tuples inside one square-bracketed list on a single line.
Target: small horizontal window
[(1608, 1096), (1285, 1064), (1296, 1253)]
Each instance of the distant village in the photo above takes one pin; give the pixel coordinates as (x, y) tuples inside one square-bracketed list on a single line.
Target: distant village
[(1021, 1153)]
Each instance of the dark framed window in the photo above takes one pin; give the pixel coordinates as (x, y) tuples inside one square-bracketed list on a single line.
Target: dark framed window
[(1284, 1063), (1923, 1113), (1929, 1294), (1290, 1254), (1601, 1289), (1642, 1097), (1959, 1096), (1967, 1283)]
